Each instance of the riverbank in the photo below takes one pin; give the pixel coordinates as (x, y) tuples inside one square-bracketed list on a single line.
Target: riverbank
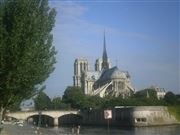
[(131, 116), (175, 111)]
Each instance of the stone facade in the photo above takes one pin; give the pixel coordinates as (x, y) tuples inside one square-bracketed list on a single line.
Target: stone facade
[(80, 67), (130, 116), (105, 80), (160, 92)]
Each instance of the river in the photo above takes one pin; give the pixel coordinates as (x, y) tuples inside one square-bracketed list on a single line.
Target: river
[(30, 130)]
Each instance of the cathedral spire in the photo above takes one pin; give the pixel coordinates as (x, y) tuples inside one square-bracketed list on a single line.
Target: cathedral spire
[(105, 64)]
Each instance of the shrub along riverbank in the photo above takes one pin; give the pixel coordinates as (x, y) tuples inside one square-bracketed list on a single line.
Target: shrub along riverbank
[(175, 111)]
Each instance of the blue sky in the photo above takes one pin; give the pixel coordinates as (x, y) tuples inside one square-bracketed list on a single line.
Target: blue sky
[(141, 36)]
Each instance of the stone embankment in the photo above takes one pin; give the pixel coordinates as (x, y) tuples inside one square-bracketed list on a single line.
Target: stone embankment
[(131, 116)]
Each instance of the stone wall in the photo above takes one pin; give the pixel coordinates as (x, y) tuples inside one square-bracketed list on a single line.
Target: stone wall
[(152, 115), (130, 116)]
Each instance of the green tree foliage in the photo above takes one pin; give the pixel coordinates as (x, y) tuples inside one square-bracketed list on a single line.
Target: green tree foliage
[(57, 104), (175, 110), (146, 93), (170, 98), (42, 101), (15, 106), (178, 96), (146, 97), (92, 102), (27, 56), (78, 100), (131, 101), (74, 96), (178, 99)]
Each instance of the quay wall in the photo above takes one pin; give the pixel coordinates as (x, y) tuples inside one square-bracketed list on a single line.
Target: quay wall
[(130, 116)]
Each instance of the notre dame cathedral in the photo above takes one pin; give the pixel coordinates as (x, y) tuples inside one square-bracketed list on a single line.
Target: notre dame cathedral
[(105, 80)]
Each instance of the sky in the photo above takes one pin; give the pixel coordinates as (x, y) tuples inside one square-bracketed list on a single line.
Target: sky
[(142, 37)]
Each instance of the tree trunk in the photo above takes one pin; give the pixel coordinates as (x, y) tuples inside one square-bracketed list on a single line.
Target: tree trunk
[(1, 114)]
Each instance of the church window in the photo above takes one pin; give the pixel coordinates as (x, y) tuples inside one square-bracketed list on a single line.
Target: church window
[(84, 66), (81, 67)]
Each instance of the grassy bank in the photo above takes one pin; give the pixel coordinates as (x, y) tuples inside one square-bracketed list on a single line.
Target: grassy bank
[(175, 111)]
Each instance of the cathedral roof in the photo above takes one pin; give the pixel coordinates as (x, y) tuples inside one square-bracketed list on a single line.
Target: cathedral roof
[(93, 74), (110, 74), (116, 74)]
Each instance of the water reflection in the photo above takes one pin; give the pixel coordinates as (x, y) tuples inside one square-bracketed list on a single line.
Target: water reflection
[(160, 130), (87, 130)]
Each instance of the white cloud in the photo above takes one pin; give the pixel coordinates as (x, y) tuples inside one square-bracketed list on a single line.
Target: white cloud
[(68, 11), (70, 24)]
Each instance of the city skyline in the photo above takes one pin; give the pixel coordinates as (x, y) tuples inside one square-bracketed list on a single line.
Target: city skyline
[(141, 37)]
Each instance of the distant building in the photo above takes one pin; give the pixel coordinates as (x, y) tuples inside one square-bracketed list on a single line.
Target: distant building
[(160, 92), (105, 80)]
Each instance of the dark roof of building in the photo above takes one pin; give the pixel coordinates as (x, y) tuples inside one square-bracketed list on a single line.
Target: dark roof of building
[(109, 74)]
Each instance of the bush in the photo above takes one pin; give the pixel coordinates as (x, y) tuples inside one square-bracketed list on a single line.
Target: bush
[(175, 111)]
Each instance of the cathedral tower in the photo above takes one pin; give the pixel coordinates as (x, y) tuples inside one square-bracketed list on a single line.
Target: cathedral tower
[(80, 67), (105, 64)]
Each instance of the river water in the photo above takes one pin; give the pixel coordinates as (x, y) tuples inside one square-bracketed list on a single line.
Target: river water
[(30, 130)]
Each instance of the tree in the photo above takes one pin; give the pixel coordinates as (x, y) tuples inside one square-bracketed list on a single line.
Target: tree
[(146, 93), (178, 99), (93, 102), (42, 101), (27, 56), (57, 103), (74, 96), (15, 106), (170, 98)]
